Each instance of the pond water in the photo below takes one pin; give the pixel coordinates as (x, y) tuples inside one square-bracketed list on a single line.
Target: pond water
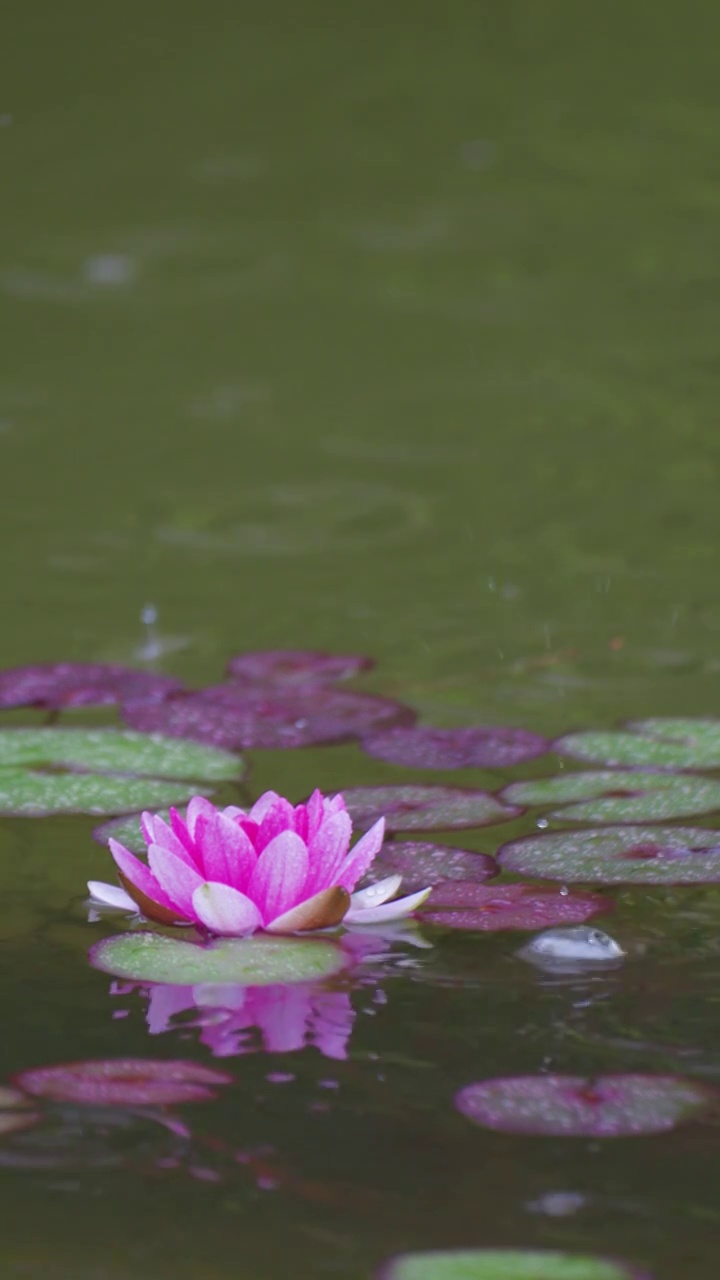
[(385, 330)]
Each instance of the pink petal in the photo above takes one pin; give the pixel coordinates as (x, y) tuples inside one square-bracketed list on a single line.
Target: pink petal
[(278, 879), (140, 875), (226, 853), (179, 827), (110, 895), (301, 822), (278, 818), (160, 833), (261, 806), (176, 878), (327, 852), (362, 856), (389, 910), (224, 910), (197, 805), (283, 1015), (315, 812), (376, 894)]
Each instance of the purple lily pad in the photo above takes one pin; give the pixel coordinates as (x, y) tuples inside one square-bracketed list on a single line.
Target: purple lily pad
[(612, 1106), (57, 685), (422, 863), (618, 855), (614, 795), (481, 747), (425, 808), (233, 717), (293, 667), (464, 904), (123, 1082), (506, 1264), (667, 742)]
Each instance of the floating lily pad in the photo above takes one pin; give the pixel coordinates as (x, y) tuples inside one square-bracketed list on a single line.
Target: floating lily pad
[(422, 863), (81, 684), (257, 962), (290, 667), (15, 1111), (234, 717), (25, 793), (612, 1106), (462, 904), (618, 855), (128, 831), (124, 1082), (619, 796), (481, 747), (505, 1264), (116, 751), (659, 743), (425, 808)]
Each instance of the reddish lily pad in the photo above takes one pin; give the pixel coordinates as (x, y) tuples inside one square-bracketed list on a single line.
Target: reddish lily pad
[(422, 863), (464, 904), (618, 855), (425, 808), (612, 1106), (123, 1082), (665, 742), (506, 1264), (293, 667), (480, 747), (57, 685), (233, 717), (612, 795)]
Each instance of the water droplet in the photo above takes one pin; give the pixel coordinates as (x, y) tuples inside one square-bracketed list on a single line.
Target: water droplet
[(564, 891), (541, 823)]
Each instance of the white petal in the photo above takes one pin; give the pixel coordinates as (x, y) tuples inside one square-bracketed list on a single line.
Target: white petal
[(389, 910), (111, 895), (375, 894)]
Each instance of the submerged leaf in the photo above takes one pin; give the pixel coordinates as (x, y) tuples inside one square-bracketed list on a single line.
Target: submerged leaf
[(459, 904), (56, 685), (481, 747), (618, 855), (256, 961), (123, 1082), (293, 667), (619, 796), (422, 863), (505, 1264), (665, 742), (116, 751), (612, 1106), (425, 808)]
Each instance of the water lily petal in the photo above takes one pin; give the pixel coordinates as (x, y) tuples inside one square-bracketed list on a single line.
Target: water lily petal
[(110, 895), (224, 910), (322, 911), (197, 805), (261, 806), (376, 894), (279, 817), (157, 831), (179, 826), (227, 854), (138, 874), (279, 876), (389, 910), (362, 856), (315, 812), (176, 878), (328, 850)]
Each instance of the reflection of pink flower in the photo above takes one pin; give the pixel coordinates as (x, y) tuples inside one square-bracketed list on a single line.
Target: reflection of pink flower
[(281, 868), (287, 1017)]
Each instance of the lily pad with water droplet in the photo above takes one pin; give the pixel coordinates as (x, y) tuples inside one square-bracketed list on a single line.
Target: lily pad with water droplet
[(25, 793), (235, 717), (57, 685), (613, 795), (425, 808), (459, 904), (116, 751), (505, 1264), (612, 1106), (618, 855), (663, 742), (480, 747), (292, 667), (421, 863), (258, 961), (124, 1082)]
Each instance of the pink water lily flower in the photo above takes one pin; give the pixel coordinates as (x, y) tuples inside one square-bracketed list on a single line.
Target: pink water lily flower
[(283, 868)]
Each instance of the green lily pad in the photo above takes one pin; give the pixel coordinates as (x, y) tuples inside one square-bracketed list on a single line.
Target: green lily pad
[(505, 1264), (619, 796), (662, 743), (125, 771), (252, 962), (117, 751), (618, 855)]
